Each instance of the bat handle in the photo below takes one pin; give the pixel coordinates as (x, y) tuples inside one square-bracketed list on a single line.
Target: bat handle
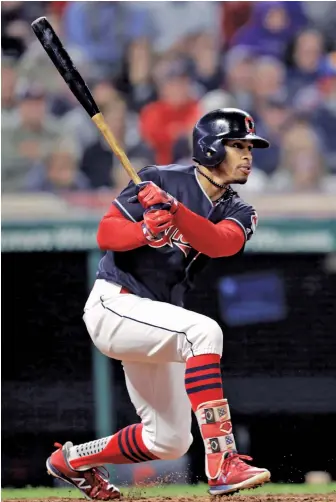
[(100, 122)]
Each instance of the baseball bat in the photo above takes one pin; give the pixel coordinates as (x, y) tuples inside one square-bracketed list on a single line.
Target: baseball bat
[(64, 65)]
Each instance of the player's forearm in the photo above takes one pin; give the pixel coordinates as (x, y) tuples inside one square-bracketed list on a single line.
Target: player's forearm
[(116, 233), (214, 240)]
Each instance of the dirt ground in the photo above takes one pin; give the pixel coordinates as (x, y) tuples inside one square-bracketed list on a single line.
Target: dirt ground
[(327, 497)]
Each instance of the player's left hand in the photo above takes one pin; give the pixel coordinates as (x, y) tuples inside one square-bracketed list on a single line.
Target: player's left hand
[(155, 222), (150, 195)]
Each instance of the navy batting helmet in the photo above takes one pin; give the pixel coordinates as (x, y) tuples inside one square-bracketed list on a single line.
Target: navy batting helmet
[(214, 128)]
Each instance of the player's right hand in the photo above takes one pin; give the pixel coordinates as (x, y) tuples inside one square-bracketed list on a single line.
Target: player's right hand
[(150, 195), (156, 221)]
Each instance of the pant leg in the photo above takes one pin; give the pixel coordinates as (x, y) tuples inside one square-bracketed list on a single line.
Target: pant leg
[(158, 394), (130, 328)]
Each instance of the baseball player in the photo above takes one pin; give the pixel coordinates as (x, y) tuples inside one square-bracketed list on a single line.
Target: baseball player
[(157, 235)]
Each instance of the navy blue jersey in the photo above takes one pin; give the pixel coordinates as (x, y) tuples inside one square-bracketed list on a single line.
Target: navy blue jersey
[(153, 271)]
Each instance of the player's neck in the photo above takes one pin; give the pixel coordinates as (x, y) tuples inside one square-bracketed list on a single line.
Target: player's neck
[(209, 181)]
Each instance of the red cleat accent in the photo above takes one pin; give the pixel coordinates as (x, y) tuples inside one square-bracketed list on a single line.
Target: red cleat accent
[(236, 475), (90, 482)]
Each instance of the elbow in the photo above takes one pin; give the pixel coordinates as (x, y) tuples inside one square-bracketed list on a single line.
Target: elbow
[(234, 250), (213, 253), (109, 227), (102, 238), (229, 248), (100, 241), (231, 243)]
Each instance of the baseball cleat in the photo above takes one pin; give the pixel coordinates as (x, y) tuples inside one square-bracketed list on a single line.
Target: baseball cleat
[(236, 475), (90, 482)]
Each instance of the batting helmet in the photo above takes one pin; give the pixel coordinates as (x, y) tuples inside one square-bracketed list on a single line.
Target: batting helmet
[(214, 128)]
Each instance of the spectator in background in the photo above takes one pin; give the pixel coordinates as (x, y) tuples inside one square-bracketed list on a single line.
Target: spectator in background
[(139, 86), (269, 79), (271, 26), (274, 117), (173, 114), (106, 32), (234, 16), (115, 45), (322, 15), (104, 93), (35, 66), (99, 164), (16, 33), (8, 85), (307, 53), (59, 172), (302, 166), (207, 71), (176, 24), (26, 137), (177, 29), (77, 124), (216, 99), (182, 148), (57, 7), (239, 68), (324, 116), (318, 103)]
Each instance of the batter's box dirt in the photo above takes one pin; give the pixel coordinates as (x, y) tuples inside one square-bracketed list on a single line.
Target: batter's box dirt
[(327, 497)]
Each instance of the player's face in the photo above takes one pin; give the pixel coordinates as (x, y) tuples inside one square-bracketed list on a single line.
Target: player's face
[(238, 161)]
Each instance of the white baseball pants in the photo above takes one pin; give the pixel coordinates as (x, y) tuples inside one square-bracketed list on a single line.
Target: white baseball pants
[(153, 340)]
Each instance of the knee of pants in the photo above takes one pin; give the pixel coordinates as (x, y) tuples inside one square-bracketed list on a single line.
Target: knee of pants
[(175, 448), (207, 337)]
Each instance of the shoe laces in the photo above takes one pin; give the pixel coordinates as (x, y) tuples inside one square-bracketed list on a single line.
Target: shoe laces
[(235, 459), (99, 483), (100, 474)]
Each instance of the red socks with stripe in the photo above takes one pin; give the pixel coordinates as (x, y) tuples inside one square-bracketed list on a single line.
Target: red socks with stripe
[(124, 447), (203, 382), (203, 379)]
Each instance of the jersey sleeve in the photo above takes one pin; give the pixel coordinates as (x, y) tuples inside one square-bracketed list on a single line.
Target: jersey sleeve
[(245, 216), (134, 211)]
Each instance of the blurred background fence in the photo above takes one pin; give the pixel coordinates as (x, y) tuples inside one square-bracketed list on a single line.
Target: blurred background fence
[(154, 69)]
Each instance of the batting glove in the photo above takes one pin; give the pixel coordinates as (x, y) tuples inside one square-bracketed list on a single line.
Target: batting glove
[(150, 195), (155, 222)]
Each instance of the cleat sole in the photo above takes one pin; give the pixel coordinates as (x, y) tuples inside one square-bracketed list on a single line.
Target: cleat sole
[(249, 484), (52, 471), (57, 474)]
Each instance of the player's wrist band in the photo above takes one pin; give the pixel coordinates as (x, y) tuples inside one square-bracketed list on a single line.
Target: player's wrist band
[(148, 235), (174, 206)]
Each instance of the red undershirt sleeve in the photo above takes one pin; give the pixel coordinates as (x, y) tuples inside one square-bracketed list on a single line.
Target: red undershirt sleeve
[(117, 233), (215, 240)]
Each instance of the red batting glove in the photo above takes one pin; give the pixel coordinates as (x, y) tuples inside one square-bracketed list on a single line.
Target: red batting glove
[(151, 194), (155, 222)]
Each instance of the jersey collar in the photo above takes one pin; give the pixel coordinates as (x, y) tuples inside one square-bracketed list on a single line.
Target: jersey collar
[(228, 194), (202, 189)]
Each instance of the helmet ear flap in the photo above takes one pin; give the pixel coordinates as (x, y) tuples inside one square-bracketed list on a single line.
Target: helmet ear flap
[(223, 142), (206, 149), (212, 154)]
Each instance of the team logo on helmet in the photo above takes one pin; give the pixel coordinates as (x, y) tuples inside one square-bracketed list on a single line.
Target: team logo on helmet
[(249, 124)]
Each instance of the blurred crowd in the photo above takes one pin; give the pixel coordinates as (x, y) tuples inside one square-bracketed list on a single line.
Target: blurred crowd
[(154, 68)]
